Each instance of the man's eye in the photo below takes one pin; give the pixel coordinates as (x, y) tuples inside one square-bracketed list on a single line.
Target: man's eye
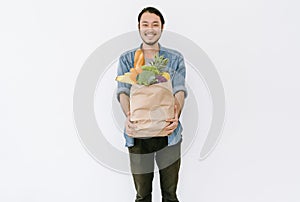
[(155, 25), (144, 25)]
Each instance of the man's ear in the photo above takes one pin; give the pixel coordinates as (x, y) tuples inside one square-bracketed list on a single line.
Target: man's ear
[(162, 27), (138, 26)]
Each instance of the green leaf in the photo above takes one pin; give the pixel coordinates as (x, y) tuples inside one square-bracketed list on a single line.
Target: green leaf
[(151, 68), (146, 78)]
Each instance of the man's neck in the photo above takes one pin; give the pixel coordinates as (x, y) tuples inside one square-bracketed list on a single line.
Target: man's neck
[(150, 50)]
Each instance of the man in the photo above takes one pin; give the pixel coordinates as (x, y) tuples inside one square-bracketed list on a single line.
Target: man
[(165, 150)]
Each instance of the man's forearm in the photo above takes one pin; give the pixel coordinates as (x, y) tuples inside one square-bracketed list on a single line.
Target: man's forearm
[(125, 103), (179, 101)]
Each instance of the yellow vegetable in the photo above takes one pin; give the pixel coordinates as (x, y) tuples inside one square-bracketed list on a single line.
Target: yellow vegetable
[(125, 79), (166, 75)]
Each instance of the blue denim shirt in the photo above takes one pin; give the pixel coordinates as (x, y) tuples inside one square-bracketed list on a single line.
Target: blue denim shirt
[(177, 71)]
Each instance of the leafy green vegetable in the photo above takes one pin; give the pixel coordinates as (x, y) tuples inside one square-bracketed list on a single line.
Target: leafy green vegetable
[(160, 62), (151, 69), (146, 78), (152, 73)]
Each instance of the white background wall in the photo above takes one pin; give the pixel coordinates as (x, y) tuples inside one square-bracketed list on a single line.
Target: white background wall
[(254, 46)]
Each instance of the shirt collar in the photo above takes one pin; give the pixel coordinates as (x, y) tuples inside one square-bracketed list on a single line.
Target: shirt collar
[(159, 46)]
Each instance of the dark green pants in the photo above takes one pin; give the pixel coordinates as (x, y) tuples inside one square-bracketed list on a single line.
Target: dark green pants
[(142, 156)]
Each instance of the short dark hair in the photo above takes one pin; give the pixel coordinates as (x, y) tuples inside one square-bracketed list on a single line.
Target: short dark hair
[(154, 11)]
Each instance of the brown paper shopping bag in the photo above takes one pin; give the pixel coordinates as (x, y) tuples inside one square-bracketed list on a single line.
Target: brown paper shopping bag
[(150, 106)]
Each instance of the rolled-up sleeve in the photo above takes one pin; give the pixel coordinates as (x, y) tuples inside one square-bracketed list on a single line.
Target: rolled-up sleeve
[(123, 67), (179, 78)]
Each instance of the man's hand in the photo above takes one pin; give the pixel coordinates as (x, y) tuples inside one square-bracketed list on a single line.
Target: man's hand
[(173, 123), (130, 127)]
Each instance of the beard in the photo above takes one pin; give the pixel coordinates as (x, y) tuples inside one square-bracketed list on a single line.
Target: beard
[(150, 43)]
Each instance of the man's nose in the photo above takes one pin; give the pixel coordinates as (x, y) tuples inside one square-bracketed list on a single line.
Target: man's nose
[(149, 28)]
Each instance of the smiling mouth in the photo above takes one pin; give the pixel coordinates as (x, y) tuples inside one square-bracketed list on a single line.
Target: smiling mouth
[(150, 34)]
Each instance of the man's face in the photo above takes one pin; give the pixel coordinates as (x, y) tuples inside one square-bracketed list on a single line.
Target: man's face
[(150, 28)]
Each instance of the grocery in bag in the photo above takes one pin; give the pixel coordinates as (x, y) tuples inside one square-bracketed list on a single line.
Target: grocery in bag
[(151, 96)]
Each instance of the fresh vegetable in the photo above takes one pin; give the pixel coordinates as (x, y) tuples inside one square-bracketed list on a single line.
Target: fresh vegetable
[(166, 75), (160, 62), (151, 69), (160, 79), (146, 78), (125, 78), (146, 74), (156, 67)]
